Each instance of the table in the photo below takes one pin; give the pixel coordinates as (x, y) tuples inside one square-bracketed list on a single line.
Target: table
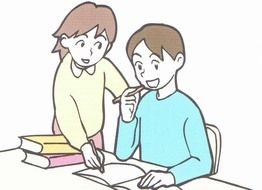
[(16, 174)]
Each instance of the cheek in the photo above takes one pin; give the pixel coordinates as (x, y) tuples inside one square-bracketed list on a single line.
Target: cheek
[(166, 75), (99, 53), (76, 53)]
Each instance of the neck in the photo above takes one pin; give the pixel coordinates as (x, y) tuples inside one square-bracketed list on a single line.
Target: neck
[(89, 69), (168, 89)]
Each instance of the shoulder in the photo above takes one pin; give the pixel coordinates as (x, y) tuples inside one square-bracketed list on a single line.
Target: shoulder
[(107, 66), (185, 101), (105, 63), (189, 104), (147, 99)]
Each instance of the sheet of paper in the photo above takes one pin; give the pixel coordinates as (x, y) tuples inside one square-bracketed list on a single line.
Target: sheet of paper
[(114, 174)]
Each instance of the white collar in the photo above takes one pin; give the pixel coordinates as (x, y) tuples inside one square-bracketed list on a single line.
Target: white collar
[(77, 72)]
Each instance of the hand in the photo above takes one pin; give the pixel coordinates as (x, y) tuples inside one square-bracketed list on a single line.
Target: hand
[(156, 179), (91, 160), (128, 105)]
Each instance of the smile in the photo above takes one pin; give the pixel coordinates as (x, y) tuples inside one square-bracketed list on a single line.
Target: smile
[(153, 83), (86, 61)]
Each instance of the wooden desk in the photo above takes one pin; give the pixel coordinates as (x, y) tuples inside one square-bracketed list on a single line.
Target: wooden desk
[(15, 174)]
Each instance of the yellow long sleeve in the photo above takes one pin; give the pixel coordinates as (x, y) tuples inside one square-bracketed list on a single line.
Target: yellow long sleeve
[(114, 81), (79, 101)]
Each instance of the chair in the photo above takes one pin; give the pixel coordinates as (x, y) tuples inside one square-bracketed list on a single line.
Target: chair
[(214, 138)]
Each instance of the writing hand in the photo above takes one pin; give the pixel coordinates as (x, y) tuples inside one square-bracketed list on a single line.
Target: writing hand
[(91, 159)]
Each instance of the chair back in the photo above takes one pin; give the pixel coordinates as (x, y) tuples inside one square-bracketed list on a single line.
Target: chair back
[(214, 138)]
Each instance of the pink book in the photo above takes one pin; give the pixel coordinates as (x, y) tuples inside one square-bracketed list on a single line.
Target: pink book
[(53, 160)]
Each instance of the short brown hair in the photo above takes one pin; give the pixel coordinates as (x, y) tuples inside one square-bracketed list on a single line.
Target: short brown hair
[(157, 37), (82, 19)]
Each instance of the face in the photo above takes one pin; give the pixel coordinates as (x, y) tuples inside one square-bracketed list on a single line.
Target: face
[(87, 49), (150, 70)]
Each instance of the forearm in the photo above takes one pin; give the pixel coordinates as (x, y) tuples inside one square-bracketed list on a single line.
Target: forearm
[(127, 138), (70, 123), (191, 168)]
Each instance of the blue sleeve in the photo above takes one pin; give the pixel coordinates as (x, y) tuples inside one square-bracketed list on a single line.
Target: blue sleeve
[(127, 138), (199, 163)]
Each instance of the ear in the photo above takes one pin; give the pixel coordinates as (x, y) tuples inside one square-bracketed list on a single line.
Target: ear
[(108, 47), (179, 61), (65, 41)]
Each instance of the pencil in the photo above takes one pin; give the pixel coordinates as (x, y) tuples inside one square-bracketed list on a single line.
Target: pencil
[(137, 90), (101, 168)]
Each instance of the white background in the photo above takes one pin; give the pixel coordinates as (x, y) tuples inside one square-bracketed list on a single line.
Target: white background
[(223, 41)]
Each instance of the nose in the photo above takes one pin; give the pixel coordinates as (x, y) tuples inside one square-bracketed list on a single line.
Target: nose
[(142, 73), (91, 51)]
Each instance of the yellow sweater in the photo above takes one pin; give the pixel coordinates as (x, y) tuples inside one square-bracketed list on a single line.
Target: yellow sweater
[(79, 100)]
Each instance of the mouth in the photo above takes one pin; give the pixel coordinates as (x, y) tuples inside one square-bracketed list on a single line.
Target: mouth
[(153, 83), (86, 61)]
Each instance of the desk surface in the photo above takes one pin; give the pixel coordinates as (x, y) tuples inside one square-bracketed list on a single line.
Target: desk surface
[(15, 174)]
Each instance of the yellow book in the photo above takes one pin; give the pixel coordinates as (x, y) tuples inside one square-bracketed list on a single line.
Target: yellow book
[(46, 144)]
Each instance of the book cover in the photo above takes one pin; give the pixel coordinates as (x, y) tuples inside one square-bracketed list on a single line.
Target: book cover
[(47, 144), (53, 160)]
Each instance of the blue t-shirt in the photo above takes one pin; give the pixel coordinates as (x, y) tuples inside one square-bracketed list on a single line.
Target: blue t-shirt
[(170, 132)]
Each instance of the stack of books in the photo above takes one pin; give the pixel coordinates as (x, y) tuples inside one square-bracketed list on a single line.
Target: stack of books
[(49, 151)]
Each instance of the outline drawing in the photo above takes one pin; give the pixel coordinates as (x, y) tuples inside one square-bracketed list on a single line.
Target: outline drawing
[(156, 117), (83, 40), (165, 124)]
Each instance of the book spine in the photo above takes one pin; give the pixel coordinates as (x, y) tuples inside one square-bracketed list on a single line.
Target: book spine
[(65, 160), (58, 148)]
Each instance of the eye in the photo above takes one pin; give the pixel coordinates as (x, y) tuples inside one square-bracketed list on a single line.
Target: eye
[(155, 62), (98, 44), (80, 43), (139, 65)]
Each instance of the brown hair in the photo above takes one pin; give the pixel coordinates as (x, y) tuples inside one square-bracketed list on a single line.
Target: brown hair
[(84, 18), (157, 37)]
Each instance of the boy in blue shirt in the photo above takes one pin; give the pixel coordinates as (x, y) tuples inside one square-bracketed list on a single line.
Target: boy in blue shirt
[(166, 123)]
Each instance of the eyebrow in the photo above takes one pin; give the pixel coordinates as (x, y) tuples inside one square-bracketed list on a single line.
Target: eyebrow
[(139, 62), (137, 54), (152, 55), (101, 36), (154, 60), (78, 41)]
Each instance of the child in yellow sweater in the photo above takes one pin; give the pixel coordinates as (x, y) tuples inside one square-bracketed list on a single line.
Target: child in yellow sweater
[(83, 39)]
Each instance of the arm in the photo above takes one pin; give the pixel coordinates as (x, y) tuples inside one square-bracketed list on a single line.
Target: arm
[(127, 138), (199, 163), (72, 128), (69, 121), (114, 81)]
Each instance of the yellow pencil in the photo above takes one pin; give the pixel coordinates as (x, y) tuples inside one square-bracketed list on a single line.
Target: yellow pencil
[(137, 90)]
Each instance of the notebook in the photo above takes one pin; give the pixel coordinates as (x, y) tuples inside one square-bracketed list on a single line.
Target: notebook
[(118, 176)]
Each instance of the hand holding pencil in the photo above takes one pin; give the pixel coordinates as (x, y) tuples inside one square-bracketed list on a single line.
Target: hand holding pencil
[(133, 92), (93, 157), (128, 103)]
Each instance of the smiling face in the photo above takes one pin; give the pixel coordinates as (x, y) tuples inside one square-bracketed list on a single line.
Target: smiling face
[(87, 49), (151, 71)]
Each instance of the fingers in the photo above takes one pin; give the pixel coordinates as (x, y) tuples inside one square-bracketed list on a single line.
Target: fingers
[(128, 91), (151, 180), (102, 157), (91, 160), (156, 184), (130, 98), (145, 180)]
